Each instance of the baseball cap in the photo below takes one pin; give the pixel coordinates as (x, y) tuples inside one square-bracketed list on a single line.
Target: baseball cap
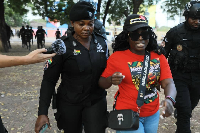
[(134, 22)]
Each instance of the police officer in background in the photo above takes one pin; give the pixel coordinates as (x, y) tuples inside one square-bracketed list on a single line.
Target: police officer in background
[(40, 35), (182, 45), (57, 34), (33, 33), (80, 100), (22, 34)]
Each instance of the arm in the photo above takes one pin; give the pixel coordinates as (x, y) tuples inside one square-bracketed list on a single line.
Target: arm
[(50, 78), (115, 79), (169, 90), (35, 56), (167, 42)]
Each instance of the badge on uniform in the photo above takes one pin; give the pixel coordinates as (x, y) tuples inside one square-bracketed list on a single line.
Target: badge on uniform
[(99, 48), (47, 63), (179, 47), (76, 52)]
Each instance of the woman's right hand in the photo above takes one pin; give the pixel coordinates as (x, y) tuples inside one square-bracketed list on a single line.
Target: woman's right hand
[(116, 78), (41, 120)]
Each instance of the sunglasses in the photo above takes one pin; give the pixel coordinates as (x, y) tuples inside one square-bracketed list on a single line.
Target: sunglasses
[(135, 35)]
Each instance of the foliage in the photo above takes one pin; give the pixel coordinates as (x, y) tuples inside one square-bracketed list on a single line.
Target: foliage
[(13, 18), (55, 11), (119, 9), (174, 7)]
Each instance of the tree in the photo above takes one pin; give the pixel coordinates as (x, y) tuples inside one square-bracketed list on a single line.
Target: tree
[(174, 7), (122, 8), (12, 18), (55, 11), (17, 8)]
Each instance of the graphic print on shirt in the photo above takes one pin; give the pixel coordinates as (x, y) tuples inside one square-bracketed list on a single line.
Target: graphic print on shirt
[(153, 78)]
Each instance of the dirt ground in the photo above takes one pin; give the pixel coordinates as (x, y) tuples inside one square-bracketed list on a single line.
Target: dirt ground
[(19, 94)]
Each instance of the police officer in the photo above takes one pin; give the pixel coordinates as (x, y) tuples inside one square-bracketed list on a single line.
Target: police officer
[(57, 34), (80, 100), (28, 34), (40, 35), (33, 33), (182, 45), (22, 34)]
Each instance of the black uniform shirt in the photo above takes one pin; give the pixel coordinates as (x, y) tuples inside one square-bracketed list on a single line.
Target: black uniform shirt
[(80, 71), (183, 44)]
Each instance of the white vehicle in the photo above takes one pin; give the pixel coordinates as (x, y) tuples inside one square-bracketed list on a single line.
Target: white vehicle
[(110, 36)]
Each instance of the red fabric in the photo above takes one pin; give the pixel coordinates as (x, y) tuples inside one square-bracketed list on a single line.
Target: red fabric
[(130, 65)]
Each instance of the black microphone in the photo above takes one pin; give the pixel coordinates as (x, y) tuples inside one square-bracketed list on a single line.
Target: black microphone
[(57, 47)]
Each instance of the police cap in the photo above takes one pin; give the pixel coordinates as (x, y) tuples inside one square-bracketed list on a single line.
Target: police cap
[(82, 11)]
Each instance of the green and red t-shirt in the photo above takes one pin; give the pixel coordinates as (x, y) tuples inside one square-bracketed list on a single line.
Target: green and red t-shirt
[(130, 65)]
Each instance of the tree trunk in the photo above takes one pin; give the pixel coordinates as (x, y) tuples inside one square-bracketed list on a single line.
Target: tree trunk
[(136, 4), (3, 37), (98, 9), (106, 11)]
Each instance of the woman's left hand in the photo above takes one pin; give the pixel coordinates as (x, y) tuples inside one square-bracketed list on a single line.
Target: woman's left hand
[(168, 108)]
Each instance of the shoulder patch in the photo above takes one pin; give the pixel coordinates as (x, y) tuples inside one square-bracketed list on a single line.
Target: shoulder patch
[(47, 63), (102, 35)]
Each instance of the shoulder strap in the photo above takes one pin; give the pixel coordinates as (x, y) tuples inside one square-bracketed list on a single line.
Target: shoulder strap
[(143, 80)]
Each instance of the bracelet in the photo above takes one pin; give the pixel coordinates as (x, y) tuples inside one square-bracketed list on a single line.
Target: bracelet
[(170, 98)]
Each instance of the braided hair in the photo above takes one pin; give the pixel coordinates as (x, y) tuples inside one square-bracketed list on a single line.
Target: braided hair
[(121, 42)]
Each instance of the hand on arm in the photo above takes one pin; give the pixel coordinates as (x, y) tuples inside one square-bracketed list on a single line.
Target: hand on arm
[(169, 91), (115, 79)]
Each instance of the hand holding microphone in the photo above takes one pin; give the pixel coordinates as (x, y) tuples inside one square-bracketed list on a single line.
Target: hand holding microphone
[(57, 47)]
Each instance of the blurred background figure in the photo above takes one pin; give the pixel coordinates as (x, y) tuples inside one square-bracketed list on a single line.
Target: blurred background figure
[(21, 33), (33, 33), (9, 34), (40, 35), (57, 34)]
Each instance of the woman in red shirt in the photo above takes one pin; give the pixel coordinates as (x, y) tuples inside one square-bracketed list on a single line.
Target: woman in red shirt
[(124, 68)]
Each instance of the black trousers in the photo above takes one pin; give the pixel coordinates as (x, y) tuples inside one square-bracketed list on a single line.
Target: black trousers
[(72, 118), (2, 128), (188, 94)]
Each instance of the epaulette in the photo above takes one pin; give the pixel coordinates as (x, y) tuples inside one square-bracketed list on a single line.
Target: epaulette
[(99, 34), (175, 28), (64, 38)]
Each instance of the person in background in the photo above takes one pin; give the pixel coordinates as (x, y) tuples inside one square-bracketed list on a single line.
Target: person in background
[(22, 34), (57, 34), (35, 56), (40, 35), (182, 46), (80, 101), (33, 33), (124, 68)]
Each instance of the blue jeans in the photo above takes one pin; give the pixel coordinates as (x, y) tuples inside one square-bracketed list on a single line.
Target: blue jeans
[(146, 124)]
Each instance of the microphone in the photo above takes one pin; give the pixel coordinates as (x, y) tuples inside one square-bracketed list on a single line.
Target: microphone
[(57, 47)]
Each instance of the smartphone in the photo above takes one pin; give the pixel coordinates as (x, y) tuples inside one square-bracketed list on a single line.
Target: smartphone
[(44, 127)]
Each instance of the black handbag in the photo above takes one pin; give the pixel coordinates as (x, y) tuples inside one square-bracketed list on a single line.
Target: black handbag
[(127, 119)]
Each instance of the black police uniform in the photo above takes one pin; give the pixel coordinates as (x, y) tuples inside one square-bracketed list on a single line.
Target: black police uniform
[(58, 34), (40, 33), (80, 100), (22, 34), (182, 45)]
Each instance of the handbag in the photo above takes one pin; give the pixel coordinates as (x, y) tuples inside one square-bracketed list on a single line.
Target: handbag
[(128, 119)]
